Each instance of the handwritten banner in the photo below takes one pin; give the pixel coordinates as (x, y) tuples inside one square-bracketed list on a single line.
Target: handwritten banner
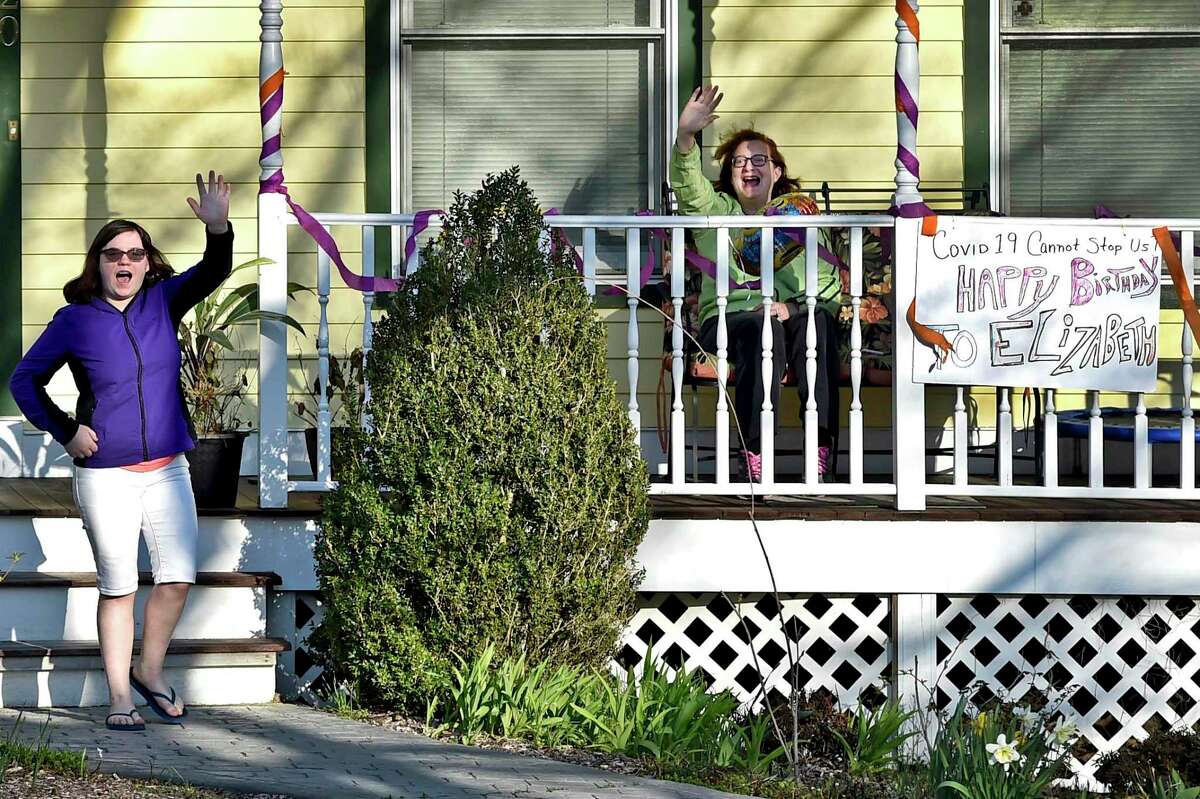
[(1047, 306)]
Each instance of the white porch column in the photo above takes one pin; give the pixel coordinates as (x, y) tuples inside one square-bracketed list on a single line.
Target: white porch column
[(914, 631), (272, 277), (908, 80), (908, 398)]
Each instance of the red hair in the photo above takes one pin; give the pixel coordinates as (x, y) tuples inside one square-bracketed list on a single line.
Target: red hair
[(729, 145)]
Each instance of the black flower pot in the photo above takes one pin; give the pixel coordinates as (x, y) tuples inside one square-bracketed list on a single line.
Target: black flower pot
[(310, 443), (216, 465)]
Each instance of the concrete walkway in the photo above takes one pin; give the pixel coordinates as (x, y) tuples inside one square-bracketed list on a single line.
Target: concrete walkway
[(309, 754)]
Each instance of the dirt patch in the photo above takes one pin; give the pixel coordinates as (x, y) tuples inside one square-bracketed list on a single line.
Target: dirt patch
[(18, 783)]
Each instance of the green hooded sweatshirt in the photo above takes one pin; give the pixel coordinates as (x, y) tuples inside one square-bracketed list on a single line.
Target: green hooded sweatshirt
[(697, 197)]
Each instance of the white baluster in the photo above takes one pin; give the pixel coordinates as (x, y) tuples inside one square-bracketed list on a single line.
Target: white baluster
[(1050, 441), (1004, 428), (722, 429), (633, 269), (961, 464), (401, 263), (811, 476), (368, 328), (767, 420), (678, 430), (589, 261), (1095, 442), (857, 445), (1141, 444), (1187, 425), (324, 417)]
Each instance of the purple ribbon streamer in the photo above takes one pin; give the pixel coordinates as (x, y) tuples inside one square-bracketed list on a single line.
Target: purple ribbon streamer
[(275, 185), (909, 159), (697, 261), (905, 99), (420, 223), (912, 211), (319, 234)]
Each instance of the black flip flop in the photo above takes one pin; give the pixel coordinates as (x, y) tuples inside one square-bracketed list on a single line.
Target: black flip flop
[(136, 726), (152, 698)]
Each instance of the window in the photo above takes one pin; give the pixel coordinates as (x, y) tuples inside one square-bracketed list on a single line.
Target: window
[(570, 91), (1100, 105)]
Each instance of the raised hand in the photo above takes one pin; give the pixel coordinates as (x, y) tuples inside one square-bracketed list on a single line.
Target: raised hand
[(84, 444), (698, 114), (213, 206)]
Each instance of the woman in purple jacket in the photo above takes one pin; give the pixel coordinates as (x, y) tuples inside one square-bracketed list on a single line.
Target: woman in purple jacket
[(118, 337)]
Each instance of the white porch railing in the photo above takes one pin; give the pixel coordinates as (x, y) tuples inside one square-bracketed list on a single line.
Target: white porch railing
[(906, 466)]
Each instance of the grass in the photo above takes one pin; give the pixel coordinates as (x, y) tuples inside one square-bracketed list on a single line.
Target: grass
[(34, 758)]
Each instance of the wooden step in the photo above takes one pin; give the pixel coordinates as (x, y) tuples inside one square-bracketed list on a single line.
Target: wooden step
[(194, 646), (22, 579), (219, 671)]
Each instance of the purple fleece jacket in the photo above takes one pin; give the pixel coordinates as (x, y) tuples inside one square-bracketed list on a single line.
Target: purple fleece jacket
[(126, 366)]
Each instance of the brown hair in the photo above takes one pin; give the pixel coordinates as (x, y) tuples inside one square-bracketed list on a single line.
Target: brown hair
[(729, 145), (83, 288)]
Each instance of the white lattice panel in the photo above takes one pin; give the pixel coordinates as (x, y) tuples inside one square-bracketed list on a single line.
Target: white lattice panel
[(1117, 667), (295, 616), (839, 644)]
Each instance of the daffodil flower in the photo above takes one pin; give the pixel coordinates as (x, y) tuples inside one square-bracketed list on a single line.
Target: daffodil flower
[(1065, 732), (1004, 753), (1029, 718)]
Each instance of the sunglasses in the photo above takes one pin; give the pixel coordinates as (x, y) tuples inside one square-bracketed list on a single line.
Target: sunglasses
[(112, 254), (757, 159)]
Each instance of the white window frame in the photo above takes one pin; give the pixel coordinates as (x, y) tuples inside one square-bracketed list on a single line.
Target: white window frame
[(1001, 32), (660, 39)]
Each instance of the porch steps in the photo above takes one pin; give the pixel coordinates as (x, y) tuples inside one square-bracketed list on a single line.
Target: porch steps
[(215, 671), (88, 579), (49, 655)]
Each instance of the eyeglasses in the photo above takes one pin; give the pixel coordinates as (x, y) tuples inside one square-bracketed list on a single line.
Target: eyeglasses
[(758, 159), (112, 254)]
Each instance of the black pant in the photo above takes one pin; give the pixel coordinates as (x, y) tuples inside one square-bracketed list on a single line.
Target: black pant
[(788, 351)]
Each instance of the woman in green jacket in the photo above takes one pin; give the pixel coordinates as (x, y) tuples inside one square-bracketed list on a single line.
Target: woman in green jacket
[(753, 173)]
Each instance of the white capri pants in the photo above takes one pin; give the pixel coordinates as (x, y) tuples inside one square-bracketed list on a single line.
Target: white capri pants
[(116, 504)]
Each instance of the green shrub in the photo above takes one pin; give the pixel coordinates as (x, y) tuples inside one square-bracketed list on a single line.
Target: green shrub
[(1132, 768), (500, 496)]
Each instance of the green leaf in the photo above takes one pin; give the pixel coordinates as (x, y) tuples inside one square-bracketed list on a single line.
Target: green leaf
[(254, 316), (220, 338)]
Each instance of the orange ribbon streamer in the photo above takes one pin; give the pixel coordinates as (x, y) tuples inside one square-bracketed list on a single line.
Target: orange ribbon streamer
[(1175, 264), (927, 335)]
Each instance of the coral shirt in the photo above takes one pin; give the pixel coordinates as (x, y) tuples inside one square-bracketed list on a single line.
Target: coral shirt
[(151, 465)]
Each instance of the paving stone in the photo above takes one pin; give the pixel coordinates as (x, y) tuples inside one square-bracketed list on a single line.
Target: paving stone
[(308, 754)]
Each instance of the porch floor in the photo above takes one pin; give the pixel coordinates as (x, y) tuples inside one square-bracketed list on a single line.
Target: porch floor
[(51, 497)]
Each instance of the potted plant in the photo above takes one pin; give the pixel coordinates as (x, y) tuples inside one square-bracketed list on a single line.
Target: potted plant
[(345, 383), (214, 391), (876, 309)]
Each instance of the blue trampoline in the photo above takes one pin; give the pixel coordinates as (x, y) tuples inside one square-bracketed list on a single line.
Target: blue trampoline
[(1163, 424)]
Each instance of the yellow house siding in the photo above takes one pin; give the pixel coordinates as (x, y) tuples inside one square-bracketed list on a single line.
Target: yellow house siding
[(818, 78), (123, 101)]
